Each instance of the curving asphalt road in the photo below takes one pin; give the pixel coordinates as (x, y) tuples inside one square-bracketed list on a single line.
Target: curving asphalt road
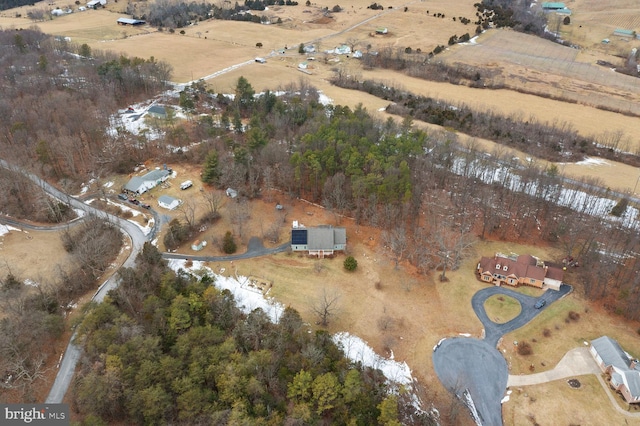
[(476, 367)]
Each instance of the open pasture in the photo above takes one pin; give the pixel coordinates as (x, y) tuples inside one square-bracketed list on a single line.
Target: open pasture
[(539, 66)]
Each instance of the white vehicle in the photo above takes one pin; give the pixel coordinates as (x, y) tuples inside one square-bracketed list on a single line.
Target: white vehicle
[(186, 184), (261, 60)]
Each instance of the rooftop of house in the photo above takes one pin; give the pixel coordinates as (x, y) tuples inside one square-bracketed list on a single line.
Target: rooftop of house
[(613, 355), (521, 266)]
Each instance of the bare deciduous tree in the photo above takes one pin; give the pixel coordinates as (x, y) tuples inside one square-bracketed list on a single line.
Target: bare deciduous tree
[(213, 200), (325, 306), (240, 212), (188, 210), (396, 242)]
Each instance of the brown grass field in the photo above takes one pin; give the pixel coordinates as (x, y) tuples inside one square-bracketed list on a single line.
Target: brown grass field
[(416, 311)]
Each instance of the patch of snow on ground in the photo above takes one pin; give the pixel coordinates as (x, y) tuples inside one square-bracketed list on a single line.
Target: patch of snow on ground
[(146, 229), (4, 229), (358, 350), (79, 212), (31, 283), (589, 161), (83, 190), (324, 99), (108, 184), (246, 300)]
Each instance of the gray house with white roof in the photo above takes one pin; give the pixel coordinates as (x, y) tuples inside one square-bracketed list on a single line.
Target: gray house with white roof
[(319, 241), (141, 184), (623, 369)]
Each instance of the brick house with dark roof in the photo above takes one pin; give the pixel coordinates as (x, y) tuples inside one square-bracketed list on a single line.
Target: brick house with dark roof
[(514, 271)]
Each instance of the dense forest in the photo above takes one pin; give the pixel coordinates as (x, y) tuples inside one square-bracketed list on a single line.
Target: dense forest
[(168, 348)]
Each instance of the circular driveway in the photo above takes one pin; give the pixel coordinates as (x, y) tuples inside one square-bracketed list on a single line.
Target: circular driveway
[(494, 331)]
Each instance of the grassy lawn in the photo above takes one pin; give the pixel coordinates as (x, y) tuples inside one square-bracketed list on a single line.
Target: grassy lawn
[(555, 331), (540, 404), (501, 309)]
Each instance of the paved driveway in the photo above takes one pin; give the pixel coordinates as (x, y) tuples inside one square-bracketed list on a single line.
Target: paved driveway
[(476, 366), (472, 365), (576, 362), (494, 331)]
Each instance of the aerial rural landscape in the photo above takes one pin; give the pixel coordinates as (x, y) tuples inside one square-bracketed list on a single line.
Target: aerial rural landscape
[(303, 213)]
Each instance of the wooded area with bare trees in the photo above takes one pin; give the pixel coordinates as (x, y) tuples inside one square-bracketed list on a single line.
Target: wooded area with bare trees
[(31, 321)]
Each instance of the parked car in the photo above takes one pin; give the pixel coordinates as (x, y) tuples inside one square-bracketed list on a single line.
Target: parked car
[(540, 303), (123, 197), (145, 206)]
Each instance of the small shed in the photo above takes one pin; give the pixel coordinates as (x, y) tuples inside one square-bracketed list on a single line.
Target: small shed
[(198, 245), (381, 30), (168, 202)]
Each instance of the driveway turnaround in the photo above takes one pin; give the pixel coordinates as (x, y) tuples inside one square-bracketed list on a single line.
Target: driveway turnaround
[(475, 368), (472, 365)]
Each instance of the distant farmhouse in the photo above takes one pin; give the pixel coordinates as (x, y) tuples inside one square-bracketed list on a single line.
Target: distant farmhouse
[(129, 21), (623, 370), (320, 241), (516, 270), (141, 184)]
